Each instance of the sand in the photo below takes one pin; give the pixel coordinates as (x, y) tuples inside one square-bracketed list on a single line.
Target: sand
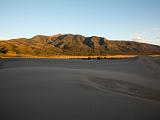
[(60, 89)]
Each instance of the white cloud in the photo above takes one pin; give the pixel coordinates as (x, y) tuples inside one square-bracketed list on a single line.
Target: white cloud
[(151, 36), (139, 38)]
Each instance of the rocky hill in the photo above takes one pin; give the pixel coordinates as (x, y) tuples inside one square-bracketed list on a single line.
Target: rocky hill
[(69, 44)]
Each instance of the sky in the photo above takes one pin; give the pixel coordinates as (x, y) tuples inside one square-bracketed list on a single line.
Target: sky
[(137, 20)]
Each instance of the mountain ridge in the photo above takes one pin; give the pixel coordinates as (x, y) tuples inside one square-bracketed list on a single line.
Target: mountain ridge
[(71, 44)]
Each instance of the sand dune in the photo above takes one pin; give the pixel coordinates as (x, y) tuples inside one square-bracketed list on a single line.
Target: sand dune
[(41, 89)]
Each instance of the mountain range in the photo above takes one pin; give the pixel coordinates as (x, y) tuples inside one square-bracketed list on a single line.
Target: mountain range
[(70, 44)]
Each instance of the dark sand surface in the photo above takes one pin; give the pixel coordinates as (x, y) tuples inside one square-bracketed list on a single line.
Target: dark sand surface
[(60, 89)]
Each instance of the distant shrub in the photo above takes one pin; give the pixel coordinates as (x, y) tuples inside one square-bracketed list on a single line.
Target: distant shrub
[(89, 58), (98, 58)]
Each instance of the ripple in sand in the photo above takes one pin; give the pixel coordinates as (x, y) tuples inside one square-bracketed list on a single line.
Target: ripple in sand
[(124, 87)]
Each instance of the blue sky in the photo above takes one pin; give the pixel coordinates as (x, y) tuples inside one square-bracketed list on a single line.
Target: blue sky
[(113, 19)]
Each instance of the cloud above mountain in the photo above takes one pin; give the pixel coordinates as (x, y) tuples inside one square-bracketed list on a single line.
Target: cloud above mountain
[(139, 38), (148, 36)]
